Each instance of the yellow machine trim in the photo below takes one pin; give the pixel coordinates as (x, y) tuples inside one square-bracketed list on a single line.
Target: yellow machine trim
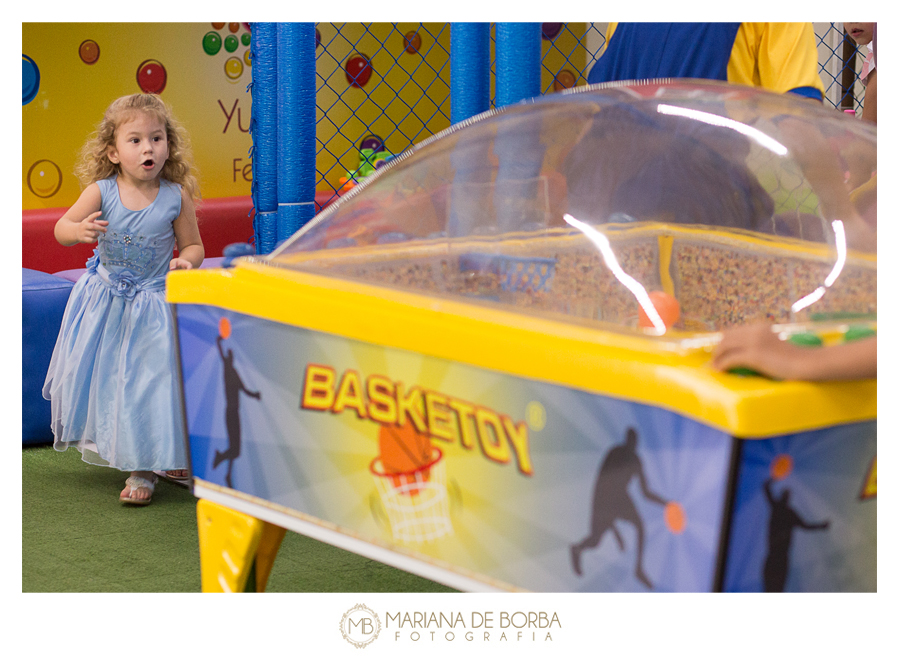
[(665, 263), (629, 367), (232, 542)]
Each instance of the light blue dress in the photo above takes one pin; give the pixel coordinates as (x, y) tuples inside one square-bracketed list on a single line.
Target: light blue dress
[(113, 384)]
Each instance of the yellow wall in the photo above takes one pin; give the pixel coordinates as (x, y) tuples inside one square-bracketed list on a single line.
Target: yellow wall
[(208, 93)]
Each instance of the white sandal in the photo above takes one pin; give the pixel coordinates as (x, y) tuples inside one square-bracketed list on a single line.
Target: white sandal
[(136, 482)]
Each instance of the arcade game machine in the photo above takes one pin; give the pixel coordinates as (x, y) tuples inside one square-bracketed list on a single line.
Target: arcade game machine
[(489, 363)]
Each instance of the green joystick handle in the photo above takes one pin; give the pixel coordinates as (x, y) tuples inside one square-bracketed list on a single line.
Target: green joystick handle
[(744, 372), (857, 332), (806, 340)]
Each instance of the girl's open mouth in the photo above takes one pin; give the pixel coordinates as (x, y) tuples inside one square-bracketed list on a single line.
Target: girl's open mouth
[(148, 164)]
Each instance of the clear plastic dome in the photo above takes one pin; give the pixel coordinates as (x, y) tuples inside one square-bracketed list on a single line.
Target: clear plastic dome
[(615, 204)]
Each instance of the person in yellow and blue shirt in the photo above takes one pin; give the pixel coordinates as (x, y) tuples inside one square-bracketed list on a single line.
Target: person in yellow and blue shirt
[(780, 57)]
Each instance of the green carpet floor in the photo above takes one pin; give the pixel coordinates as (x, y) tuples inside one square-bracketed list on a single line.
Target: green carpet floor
[(77, 537)]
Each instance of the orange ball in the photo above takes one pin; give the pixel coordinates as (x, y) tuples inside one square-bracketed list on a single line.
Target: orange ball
[(781, 467), (224, 328), (666, 306), (403, 449), (675, 517)]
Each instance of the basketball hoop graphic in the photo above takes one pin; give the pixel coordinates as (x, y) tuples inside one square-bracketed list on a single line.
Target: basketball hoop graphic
[(412, 485)]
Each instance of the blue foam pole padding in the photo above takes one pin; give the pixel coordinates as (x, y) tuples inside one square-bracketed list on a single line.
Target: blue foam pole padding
[(296, 149), (288, 112), (518, 149), (265, 230), (519, 193), (291, 219), (469, 194), (470, 82), (264, 133), (44, 299), (518, 47)]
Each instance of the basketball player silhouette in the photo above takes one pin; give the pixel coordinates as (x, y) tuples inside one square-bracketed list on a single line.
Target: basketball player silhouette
[(781, 529), (612, 502), (233, 388)]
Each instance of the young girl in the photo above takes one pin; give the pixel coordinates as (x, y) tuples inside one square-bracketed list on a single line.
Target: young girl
[(112, 380)]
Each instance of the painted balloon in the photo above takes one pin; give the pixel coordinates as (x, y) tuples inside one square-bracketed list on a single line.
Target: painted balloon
[(233, 68), (89, 51), (151, 76), (565, 79), (44, 178), (412, 41), (358, 70), (212, 43), (550, 30), (31, 79)]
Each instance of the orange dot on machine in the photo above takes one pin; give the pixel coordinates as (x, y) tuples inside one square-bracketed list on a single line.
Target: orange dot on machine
[(224, 328), (675, 518), (781, 467), (666, 306)]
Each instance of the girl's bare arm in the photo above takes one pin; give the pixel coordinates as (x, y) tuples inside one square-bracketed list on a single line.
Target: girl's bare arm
[(187, 236), (81, 222), (756, 347)]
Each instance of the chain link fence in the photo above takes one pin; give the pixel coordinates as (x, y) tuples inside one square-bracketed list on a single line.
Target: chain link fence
[(383, 87)]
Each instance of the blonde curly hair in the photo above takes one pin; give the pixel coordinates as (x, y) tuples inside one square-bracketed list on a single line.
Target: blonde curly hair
[(94, 163)]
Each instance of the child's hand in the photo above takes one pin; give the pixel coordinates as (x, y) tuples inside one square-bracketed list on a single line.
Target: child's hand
[(180, 264), (755, 346), (89, 229)]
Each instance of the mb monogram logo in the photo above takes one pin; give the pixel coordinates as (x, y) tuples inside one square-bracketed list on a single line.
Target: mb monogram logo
[(360, 626)]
